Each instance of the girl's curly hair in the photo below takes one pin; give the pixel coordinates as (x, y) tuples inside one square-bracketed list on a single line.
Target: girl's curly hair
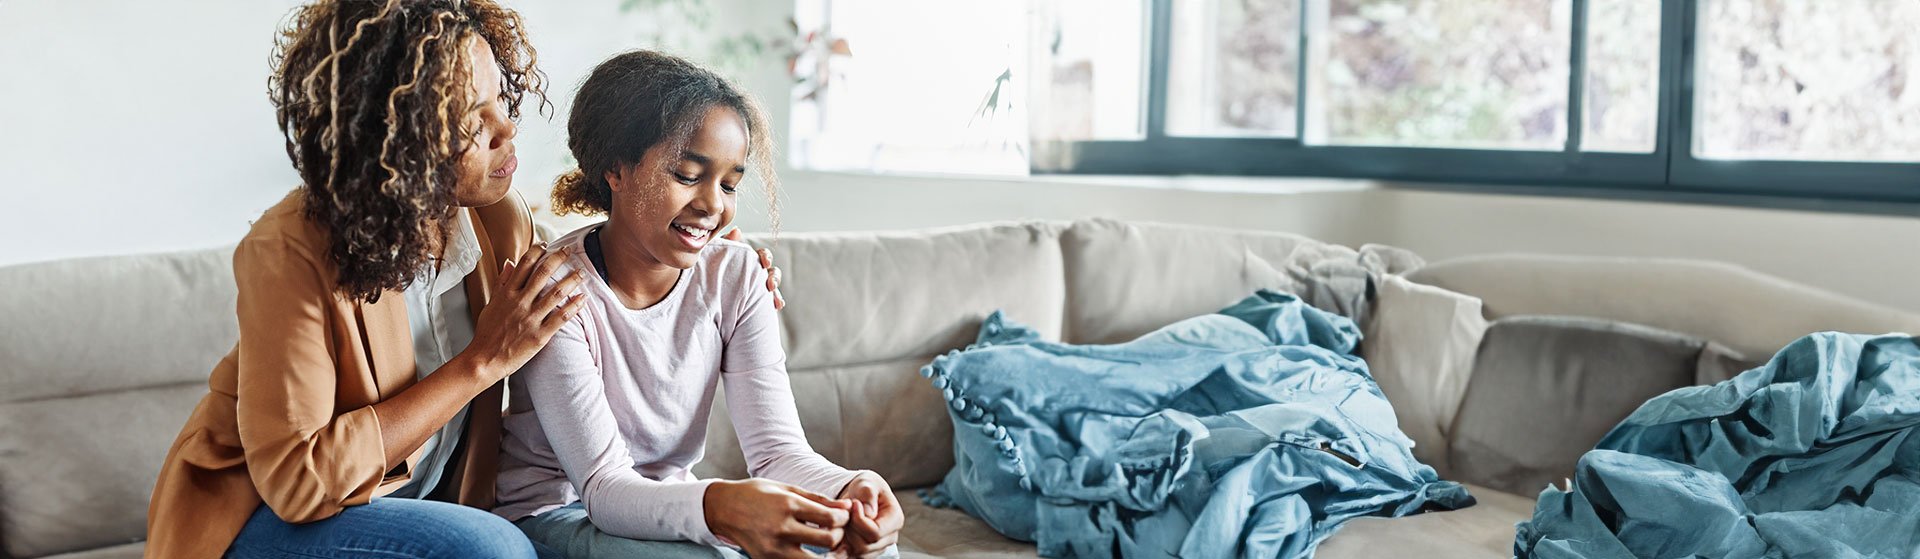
[(641, 98), (373, 98)]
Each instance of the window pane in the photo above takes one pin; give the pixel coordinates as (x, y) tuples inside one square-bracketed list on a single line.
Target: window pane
[(1233, 68), (1798, 79), (1093, 54), (1441, 73), (885, 85), (1622, 95)]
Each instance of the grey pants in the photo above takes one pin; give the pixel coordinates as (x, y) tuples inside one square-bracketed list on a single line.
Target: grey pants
[(567, 529)]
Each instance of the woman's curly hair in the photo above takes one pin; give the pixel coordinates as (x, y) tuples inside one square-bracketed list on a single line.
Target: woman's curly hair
[(641, 98), (373, 98)]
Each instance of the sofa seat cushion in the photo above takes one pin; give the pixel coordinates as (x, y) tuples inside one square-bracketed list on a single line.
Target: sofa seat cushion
[(1480, 531), (126, 551), (76, 473), (1477, 532)]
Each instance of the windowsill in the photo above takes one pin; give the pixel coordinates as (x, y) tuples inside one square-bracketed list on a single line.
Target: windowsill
[(1191, 183), (1321, 185)]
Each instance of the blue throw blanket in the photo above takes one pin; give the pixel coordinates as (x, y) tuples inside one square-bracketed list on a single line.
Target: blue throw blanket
[(1811, 455), (1254, 432)]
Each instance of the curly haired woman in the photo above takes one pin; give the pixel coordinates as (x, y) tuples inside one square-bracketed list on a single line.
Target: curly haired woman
[(381, 303)]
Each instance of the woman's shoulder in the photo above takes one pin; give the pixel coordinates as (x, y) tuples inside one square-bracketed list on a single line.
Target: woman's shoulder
[(731, 262), (286, 229)]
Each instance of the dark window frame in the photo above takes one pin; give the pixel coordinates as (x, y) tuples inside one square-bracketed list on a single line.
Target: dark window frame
[(1669, 168)]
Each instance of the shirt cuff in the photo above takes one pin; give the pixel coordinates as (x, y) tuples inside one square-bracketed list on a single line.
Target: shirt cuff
[(692, 497)]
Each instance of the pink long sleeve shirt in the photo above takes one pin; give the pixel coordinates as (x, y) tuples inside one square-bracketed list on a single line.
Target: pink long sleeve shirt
[(613, 412)]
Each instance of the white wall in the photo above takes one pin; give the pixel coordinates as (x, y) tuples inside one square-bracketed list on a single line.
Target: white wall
[(135, 126), (143, 126)]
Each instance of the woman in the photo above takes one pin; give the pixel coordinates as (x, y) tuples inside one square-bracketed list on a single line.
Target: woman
[(607, 421), (380, 304)]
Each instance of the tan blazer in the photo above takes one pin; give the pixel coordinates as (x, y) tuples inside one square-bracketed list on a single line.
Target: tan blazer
[(287, 420)]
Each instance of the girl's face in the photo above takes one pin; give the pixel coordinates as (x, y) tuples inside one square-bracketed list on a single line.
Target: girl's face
[(669, 205), (486, 168)]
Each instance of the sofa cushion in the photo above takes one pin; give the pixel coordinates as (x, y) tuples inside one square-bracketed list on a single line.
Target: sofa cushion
[(1420, 347), (876, 416), (76, 473), (1482, 530), (1752, 313), (856, 298), (1545, 389), (1127, 279), (103, 324), (127, 551)]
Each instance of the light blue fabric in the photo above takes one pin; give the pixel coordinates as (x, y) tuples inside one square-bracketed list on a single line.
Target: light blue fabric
[(1253, 432), (1811, 455)]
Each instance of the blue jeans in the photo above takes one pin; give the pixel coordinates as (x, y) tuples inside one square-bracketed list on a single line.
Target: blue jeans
[(389, 528)]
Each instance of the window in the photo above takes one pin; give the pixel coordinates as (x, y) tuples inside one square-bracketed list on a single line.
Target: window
[(920, 86), (1788, 79), (1786, 97), (1440, 73)]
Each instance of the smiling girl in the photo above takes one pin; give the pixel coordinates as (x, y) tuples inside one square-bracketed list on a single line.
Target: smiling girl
[(607, 421)]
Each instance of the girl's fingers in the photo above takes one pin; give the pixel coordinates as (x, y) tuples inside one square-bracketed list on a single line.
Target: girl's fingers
[(820, 513), (864, 528), (809, 535)]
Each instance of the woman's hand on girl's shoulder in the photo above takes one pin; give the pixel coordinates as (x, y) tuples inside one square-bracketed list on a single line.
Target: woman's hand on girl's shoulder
[(766, 262), (525, 310)]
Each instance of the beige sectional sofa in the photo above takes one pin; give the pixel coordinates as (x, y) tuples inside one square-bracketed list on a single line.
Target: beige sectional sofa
[(1502, 367)]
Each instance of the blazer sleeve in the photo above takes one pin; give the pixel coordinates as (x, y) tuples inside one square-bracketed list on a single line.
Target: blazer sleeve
[(307, 462)]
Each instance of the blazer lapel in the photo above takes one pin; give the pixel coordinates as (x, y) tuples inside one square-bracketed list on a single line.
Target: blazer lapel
[(389, 343), (470, 477)]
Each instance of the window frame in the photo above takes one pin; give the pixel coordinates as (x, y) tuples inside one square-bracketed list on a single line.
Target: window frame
[(1670, 167)]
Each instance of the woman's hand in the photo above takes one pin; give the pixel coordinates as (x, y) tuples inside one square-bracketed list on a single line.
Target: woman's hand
[(524, 312), (876, 523), (772, 520), (766, 261)]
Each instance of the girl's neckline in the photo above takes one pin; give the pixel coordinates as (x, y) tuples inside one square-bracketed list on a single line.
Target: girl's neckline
[(597, 259)]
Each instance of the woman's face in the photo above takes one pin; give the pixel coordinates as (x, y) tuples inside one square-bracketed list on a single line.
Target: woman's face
[(486, 167), (671, 204)]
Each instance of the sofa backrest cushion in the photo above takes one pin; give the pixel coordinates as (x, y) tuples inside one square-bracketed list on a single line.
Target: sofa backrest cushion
[(1545, 389), (866, 310), (1420, 346), (1753, 313), (94, 325), (1125, 279)]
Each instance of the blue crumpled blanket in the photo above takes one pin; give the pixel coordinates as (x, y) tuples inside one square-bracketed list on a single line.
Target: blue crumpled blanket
[(1811, 455), (1254, 432)]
